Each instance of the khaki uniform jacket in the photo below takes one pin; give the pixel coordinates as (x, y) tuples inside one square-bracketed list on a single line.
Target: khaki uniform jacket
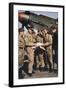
[(39, 39), (29, 39), (21, 42), (48, 40)]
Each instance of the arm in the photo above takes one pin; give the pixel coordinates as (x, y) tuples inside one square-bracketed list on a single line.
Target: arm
[(31, 44), (49, 42)]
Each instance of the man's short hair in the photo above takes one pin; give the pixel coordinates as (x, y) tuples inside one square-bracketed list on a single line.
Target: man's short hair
[(55, 26), (45, 28), (21, 30)]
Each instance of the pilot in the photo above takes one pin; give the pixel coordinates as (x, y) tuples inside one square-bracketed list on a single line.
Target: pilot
[(39, 52), (29, 39), (21, 51), (48, 46), (54, 29), (21, 45)]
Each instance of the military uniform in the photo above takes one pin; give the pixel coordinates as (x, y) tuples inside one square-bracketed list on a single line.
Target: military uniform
[(48, 44), (21, 51), (30, 51), (39, 53), (55, 49)]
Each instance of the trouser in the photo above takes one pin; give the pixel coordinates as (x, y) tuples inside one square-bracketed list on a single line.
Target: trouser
[(55, 59), (21, 56), (39, 57), (30, 54), (50, 59), (20, 61), (39, 61), (47, 60)]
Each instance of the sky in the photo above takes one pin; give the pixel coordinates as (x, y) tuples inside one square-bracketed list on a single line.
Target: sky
[(49, 14)]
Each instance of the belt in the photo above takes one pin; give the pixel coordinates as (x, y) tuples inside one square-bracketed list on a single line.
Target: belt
[(29, 46), (20, 47)]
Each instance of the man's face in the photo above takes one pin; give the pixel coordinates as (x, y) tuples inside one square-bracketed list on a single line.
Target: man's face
[(54, 30), (40, 33), (21, 33), (45, 31)]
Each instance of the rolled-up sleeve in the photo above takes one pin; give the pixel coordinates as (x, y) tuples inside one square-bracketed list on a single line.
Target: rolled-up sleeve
[(50, 40)]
